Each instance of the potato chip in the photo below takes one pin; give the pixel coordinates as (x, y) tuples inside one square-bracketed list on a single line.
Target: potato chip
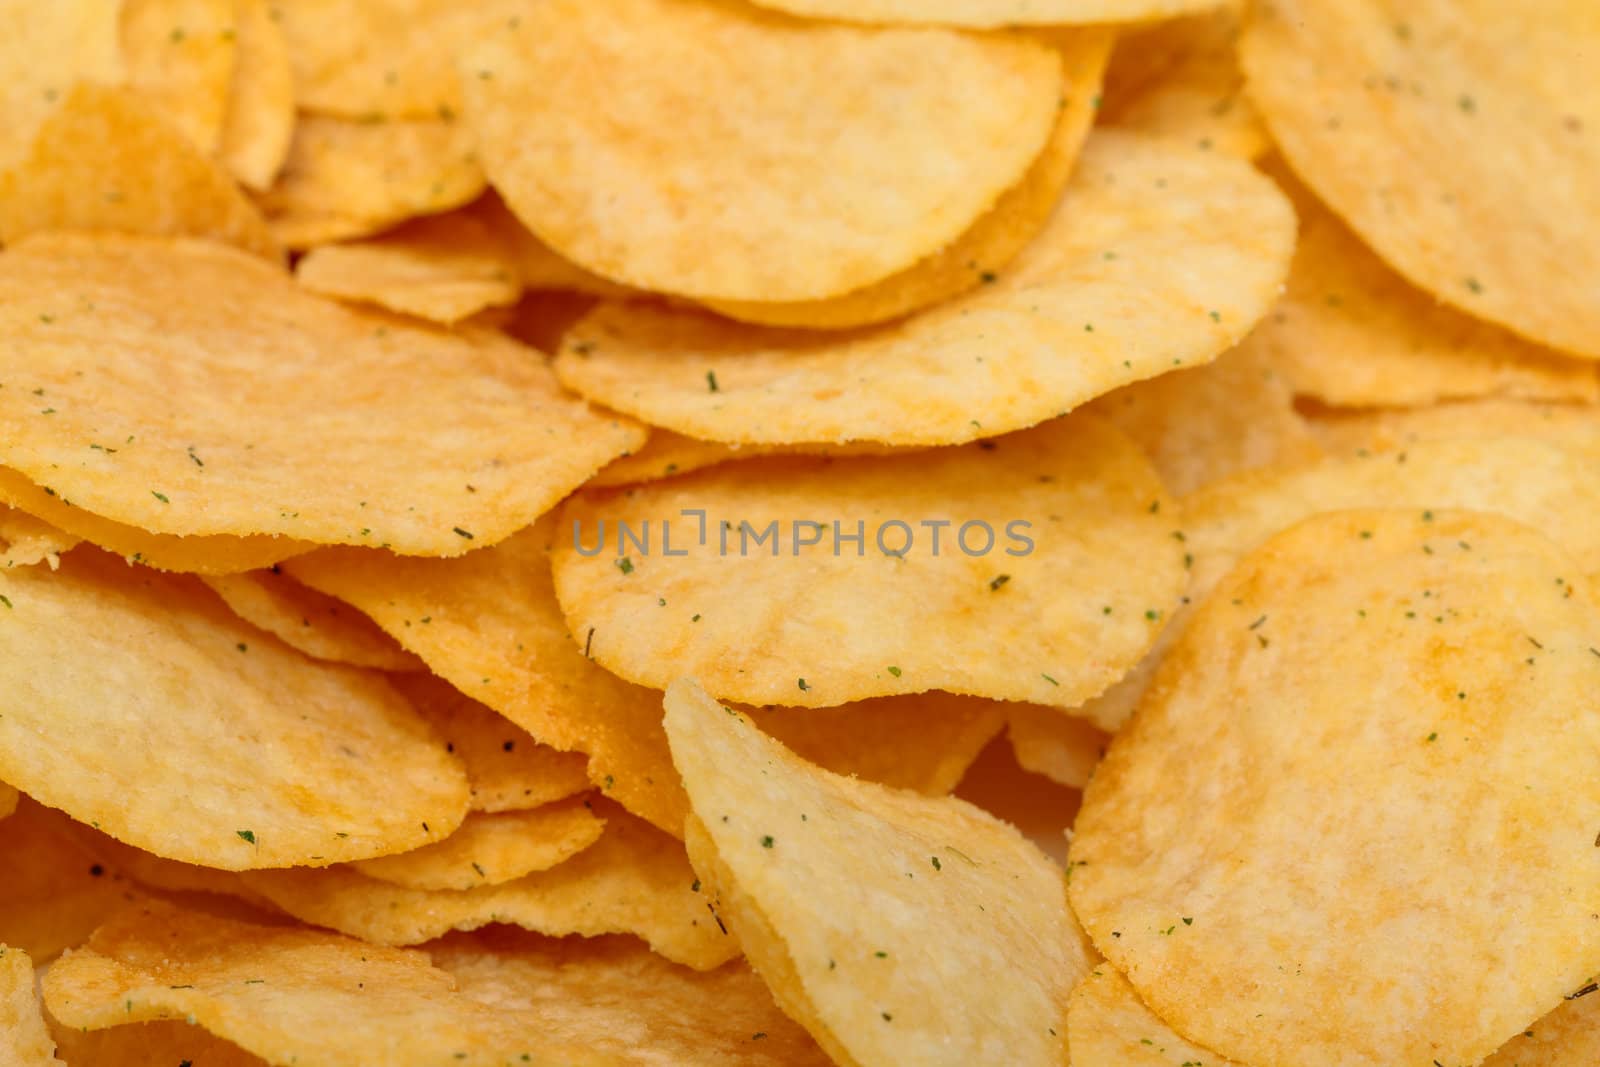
[(538, 266), (1436, 671), (1572, 426), (1062, 748), (276, 759), (1567, 1037), (444, 269), (992, 241), (27, 1042), (492, 849), (153, 872), (989, 14), (25, 540), (181, 56), (896, 928), (634, 880), (741, 132), (346, 178), (315, 623), (1109, 1026), (143, 1044), (1351, 332), (53, 889), (46, 49), (1128, 280), (106, 160), (1461, 161), (259, 126), (122, 396), (1055, 567)]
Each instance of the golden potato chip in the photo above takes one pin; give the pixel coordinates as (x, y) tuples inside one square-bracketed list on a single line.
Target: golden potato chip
[(259, 125), (53, 890), (143, 1044), (1353, 821), (1466, 164), (742, 132), (1063, 748), (1567, 1037), (1351, 332), (106, 160), (275, 758), (346, 178), (992, 241), (181, 55), (1109, 1026), (317, 624), (25, 540), (1570, 425), (1128, 280), (27, 1043), (896, 928), (122, 396), (444, 268), (538, 266), (813, 583), (634, 880), (46, 49), (492, 849), (989, 14)]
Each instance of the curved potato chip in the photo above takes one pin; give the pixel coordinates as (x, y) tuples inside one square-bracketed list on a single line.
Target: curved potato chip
[(1055, 568), (634, 880), (143, 1044), (1462, 162), (27, 1041), (317, 624), (122, 395), (1567, 1037), (1063, 748), (1572, 426), (895, 928), (181, 55), (991, 242), (1109, 1026), (989, 14), (105, 160), (269, 759), (25, 540), (1438, 674), (45, 51), (492, 849), (53, 889), (1130, 279), (741, 132), (259, 126)]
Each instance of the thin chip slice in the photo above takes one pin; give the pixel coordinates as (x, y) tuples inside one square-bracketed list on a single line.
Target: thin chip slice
[(45, 51), (742, 132), (493, 849), (1109, 1026), (634, 880), (26, 1041), (278, 759), (259, 126), (106, 160), (1063, 748), (992, 242), (122, 396), (143, 1044), (181, 56), (25, 540), (444, 269), (317, 624), (989, 14), (1438, 673), (1567, 1037), (1130, 279), (896, 928), (1459, 139), (1570, 425), (1055, 566), (53, 889)]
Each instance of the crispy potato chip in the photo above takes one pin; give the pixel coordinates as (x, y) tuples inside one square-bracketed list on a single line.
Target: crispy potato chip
[(1062, 748), (1351, 332), (181, 56), (742, 132), (1055, 569), (634, 880), (1436, 670), (444, 268), (27, 1043), (492, 849), (1128, 280), (106, 160), (346, 178), (989, 14), (276, 759), (992, 241), (46, 49), (894, 927), (1109, 1026), (122, 396), (1567, 1037), (259, 126), (53, 889), (144, 1044), (1461, 161), (25, 540), (317, 624), (1569, 425)]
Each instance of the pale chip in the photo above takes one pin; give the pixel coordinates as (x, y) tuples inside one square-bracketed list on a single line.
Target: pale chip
[(990, 14), (181, 55), (45, 51), (26, 1041), (492, 849), (317, 624), (1109, 1026), (1063, 748), (26, 541), (259, 126)]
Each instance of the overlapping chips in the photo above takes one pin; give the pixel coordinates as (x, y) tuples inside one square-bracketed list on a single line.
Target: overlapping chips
[(27, 1042), (80, 39), (313, 622)]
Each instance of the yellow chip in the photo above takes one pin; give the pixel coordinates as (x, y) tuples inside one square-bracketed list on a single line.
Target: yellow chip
[(249, 754), (181, 56), (538, 267), (739, 133), (1109, 1026), (1353, 821), (989, 14), (22, 1029), (1567, 1037), (817, 582), (105, 160), (492, 849), (634, 880), (1466, 164), (1572, 426), (53, 890), (260, 122), (123, 395), (25, 540), (992, 242), (896, 928), (444, 268), (1127, 281), (315, 623), (45, 51), (1062, 748)]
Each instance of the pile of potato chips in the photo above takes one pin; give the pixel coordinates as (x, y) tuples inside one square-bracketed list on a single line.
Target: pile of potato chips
[(884, 532)]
